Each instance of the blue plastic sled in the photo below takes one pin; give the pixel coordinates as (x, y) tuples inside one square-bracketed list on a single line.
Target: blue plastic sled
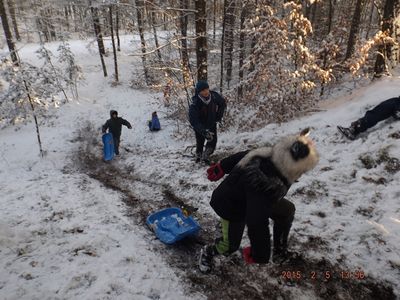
[(108, 146), (170, 225)]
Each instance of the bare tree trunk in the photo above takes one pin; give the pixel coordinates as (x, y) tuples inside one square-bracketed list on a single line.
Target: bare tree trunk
[(28, 36), (76, 15), (385, 51), (70, 14), (140, 6), (370, 20), (330, 17), (105, 21), (254, 39), (51, 27), (66, 17), (252, 66), (184, 25), (201, 39), (42, 27), (186, 74), (97, 30), (242, 45), (214, 18), (221, 80), (117, 28), (99, 38), (229, 39), (314, 12), (325, 55), (307, 12), (153, 25), (7, 33), (34, 117), (11, 7), (355, 24), (113, 45)]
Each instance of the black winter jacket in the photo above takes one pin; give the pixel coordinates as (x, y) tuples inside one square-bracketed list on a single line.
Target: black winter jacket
[(247, 194), (203, 116), (114, 125)]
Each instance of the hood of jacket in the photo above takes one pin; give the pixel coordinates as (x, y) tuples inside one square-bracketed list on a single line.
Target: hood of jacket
[(113, 112)]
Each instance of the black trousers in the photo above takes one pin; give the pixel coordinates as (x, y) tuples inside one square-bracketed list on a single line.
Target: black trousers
[(382, 111), (116, 140), (200, 140), (282, 213)]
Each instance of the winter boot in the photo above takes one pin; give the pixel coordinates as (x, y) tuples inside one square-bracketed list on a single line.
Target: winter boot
[(206, 155), (198, 157), (280, 255), (352, 131), (206, 256), (281, 235), (347, 132)]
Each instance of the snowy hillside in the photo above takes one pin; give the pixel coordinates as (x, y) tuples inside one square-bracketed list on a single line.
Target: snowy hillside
[(72, 226)]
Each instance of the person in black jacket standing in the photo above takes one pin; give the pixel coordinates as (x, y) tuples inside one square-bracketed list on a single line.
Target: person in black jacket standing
[(252, 193), (207, 108), (114, 125)]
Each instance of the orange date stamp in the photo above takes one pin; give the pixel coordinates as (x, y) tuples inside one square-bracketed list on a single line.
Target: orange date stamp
[(293, 275)]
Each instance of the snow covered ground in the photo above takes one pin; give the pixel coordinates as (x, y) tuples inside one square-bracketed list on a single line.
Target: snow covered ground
[(67, 234)]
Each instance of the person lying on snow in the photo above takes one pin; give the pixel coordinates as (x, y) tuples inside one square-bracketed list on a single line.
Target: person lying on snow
[(252, 193), (154, 124), (384, 110), (114, 125)]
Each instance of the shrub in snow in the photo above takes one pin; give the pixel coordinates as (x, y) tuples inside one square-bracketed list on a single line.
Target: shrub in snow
[(72, 72), (14, 107), (44, 84), (282, 73), (360, 60)]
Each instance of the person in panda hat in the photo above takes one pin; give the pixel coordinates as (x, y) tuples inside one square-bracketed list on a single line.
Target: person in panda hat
[(253, 193)]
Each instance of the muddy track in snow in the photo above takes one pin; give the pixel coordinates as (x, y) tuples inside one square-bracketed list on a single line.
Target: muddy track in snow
[(230, 279)]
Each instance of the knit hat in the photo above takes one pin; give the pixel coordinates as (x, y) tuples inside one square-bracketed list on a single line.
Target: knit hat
[(201, 85)]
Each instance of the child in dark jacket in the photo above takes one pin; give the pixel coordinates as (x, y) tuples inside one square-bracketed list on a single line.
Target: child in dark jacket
[(252, 193), (114, 125), (154, 124)]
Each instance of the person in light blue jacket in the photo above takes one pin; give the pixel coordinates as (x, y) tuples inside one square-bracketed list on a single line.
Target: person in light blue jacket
[(154, 124)]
